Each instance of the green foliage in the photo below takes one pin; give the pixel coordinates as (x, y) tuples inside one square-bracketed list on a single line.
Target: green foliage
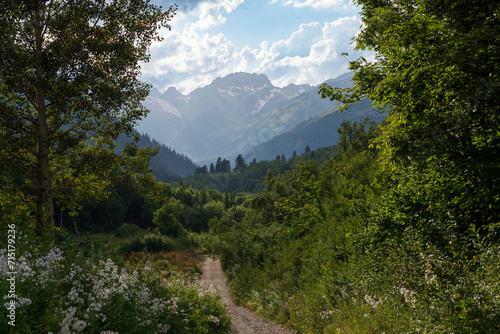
[(167, 164), (240, 164), (443, 99), (167, 219), (127, 230), (15, 212), (136, 244), (69, 292), (155, 242), (129, 202), (434, 228), (69, 86), (249, 179), (338, 248), (275, 245)]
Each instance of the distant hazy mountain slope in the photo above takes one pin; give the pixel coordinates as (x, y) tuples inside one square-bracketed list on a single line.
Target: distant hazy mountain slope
[(167, 164), (284, 118), (202, 123), (234, 114), (318, 131)]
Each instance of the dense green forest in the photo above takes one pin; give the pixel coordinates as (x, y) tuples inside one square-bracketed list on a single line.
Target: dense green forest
[(341, 248), (249, 177), (393, 230)]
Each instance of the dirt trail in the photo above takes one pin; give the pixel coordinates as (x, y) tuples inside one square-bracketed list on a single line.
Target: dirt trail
[(244, 321)]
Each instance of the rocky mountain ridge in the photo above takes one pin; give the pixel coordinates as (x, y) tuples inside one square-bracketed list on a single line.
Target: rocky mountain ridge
[(202, 123), (240, 113)]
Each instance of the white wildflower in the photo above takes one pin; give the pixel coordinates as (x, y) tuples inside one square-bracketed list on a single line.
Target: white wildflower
[(213, 318), (163, 328), (326, 314), (79, 325), (408, 295), (372, 301)]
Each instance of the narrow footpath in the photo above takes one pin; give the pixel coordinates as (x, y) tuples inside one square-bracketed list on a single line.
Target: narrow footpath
[(243, 320)]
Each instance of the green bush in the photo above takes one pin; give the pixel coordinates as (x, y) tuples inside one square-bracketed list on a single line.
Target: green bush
[(155, 242), (127, 230), (134, 245), (167, 219)]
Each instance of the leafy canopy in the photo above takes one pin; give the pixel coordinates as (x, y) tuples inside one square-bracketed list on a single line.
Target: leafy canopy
[(69, 85), (437, 69)]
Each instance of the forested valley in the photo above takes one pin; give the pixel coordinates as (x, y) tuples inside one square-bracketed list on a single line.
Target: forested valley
[(393, 230)]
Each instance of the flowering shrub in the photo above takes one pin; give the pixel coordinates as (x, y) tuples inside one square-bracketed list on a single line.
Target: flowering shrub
[(58, 293), (419, 290)]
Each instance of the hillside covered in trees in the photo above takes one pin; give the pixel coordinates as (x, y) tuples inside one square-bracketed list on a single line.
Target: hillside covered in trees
[(166, 164)]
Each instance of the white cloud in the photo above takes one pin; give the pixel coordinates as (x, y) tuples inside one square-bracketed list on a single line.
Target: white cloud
[(308, 34), (318, 4), (192, 58), (311, 55), (189, 60), (210, 14)]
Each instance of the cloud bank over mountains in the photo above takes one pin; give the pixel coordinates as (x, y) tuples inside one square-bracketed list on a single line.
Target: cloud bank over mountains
[(279, 38)]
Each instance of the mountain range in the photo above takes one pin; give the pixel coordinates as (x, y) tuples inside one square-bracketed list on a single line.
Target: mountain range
[(245, 113)]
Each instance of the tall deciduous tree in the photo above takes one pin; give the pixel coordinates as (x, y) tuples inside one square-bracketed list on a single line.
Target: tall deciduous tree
[(437, 69), (69, 85)]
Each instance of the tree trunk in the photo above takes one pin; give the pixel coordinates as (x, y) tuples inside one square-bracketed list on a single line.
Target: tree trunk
[(44, 182), (74, 224)]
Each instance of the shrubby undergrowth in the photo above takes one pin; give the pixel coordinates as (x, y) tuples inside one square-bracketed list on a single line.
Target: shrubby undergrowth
[(69, 293), (347, 248)]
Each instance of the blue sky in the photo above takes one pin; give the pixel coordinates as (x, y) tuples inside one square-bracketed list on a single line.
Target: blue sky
[(291, 41)]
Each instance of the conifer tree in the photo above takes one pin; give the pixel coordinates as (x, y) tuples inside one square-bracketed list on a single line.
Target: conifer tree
[(218, 165), (240, 164), (226, 166)]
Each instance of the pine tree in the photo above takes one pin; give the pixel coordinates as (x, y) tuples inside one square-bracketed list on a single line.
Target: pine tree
[(226, 166), (240, 164), (218, 165)]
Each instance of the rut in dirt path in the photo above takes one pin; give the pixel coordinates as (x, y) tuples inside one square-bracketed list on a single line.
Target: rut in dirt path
[(244, 321)]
